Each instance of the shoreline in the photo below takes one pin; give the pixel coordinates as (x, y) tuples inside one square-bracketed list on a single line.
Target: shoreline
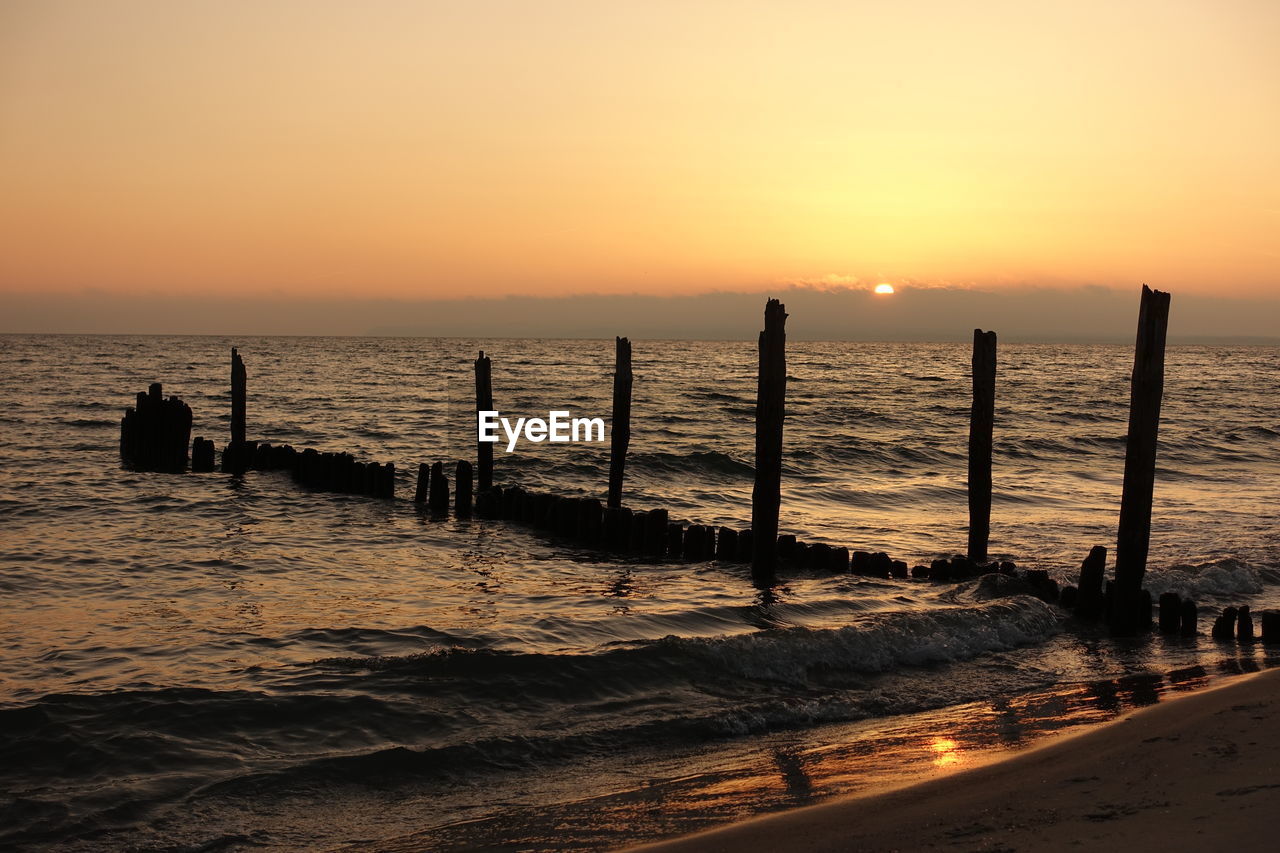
[(1200, 768)]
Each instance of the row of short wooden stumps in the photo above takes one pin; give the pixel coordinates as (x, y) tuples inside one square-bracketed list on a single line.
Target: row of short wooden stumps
[(154, 437)]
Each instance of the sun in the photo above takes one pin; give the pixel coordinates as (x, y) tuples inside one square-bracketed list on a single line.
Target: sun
[(884, 288)]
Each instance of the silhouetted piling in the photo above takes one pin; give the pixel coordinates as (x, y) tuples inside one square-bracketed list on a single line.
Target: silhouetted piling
[(675, 540), (591, 520), (484, 403), (981, 424), (1187, 621), (771, 392), (695, 543), (202, 455), (655, 534), (462, 487), (387, 481), (489, 503), (620, 426), (1146, 391), (1224, 627), (727, 545), (424, 483), (1089, 600), (1244, 624), (1270, 627), (239, 397), (438, 493), (155, 432), (617, 528), (237, 456), (1170, 613)]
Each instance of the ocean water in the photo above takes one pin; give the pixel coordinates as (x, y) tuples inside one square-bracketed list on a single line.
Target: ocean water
[(204, 662)]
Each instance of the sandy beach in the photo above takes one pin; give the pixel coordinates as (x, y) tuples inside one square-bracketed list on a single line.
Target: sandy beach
[(1200, 771)]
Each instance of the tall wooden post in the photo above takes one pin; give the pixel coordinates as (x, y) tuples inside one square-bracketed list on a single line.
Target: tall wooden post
[(771, 392), (981, 422), (238, 391), (484, 403), (620, 428), (1146, 391)]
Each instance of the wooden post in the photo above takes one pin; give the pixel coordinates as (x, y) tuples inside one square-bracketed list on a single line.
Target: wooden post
[(387, 482), (1270, 627), (620, 427), (1187, 621), (1146, 391), (438, 495), (1224, 627), (462, 488), (771, 392), (981, 421), (484, 403), (239, 379), (1170, 613), (727, 545), (202, 455), (1244, 625), (424, 482), (655, 536), (1089, 601)]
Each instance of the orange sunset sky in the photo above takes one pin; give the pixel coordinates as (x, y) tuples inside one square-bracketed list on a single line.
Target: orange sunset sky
[(447, 149)]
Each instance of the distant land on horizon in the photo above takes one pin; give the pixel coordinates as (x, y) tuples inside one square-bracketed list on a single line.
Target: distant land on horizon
[(1069, 315)]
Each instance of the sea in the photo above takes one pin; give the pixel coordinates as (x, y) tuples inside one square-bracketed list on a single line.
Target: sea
[(206, 662)]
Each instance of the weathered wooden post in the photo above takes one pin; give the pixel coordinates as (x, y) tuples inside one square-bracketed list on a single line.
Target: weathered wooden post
[(981, 422), (424, 482), (1146, 391), (1244, 624), (154, 435), (771, 392), (1270, 627), (235, 456), (1187, 621), (462, 489), (239, 391), (202, 452), (1170, 613), (1224, 627), (484, 403), (1089, 600), (620, 427), (438, 496)]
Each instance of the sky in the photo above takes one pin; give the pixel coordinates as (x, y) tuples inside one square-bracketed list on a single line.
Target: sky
[(419, 152)]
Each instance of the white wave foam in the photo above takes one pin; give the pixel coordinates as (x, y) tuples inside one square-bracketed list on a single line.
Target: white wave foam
[(1226, 577), (879, 642)]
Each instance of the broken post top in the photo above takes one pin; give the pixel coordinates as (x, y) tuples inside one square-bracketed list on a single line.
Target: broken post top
[(1153, 321), (775, 315)]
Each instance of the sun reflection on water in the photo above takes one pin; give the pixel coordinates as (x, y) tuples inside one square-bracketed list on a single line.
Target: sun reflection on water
[(946, 752)]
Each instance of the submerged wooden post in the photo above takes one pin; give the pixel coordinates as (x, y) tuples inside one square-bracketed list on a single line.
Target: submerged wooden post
[(620, 427), (981, 422), (484, 403), (1146, 390), (771, 392)]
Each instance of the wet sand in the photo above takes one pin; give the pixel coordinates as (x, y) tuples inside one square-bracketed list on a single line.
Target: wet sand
[(1200, 771)]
